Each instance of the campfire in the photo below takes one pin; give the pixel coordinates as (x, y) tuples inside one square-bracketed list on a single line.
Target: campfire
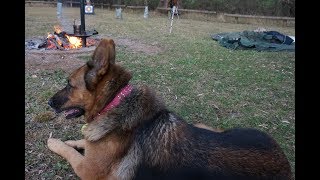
[(64, 41)]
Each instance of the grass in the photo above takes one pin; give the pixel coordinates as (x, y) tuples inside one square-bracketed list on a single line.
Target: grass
[(198, 79)]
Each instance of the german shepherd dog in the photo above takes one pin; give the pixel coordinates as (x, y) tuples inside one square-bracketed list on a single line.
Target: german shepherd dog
[(130, 134)]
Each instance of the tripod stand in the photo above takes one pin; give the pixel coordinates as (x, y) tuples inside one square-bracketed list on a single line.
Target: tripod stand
[(173, 11)]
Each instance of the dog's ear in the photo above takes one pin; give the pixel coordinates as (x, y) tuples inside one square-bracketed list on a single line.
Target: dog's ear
[(102, 58)]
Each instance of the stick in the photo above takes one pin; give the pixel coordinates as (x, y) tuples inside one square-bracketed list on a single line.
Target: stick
[(58, 40), (56, 43)]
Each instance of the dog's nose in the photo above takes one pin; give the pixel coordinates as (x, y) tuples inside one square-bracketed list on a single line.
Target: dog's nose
[(50, 102)]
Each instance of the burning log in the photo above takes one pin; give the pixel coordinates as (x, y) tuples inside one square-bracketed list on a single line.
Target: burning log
[(63, 41), (58, 46), (61, 34), (58, 40), (52, 41), (91, 42), (50, 45)]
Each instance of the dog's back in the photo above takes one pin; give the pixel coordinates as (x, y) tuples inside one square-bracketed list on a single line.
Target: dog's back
[(173, 149)]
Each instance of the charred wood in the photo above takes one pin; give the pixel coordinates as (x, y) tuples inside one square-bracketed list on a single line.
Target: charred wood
[(44, 44), (56, 43)]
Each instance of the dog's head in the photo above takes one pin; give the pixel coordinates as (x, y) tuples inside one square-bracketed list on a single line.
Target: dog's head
[(93, 85)]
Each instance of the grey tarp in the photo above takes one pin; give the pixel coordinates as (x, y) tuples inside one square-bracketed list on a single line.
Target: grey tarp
[(260, 41)]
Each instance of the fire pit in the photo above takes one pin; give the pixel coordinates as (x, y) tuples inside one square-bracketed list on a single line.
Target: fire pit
[(61, 40)]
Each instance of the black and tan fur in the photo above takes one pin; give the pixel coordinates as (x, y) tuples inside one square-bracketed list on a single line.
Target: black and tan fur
[(142, 139)]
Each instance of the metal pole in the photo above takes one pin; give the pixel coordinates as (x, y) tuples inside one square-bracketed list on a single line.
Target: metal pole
[(83, 25), (59, 8), (172, 14)]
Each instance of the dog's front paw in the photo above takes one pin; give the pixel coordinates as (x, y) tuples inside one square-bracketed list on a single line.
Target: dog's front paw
[(55, 144), (79, 144)]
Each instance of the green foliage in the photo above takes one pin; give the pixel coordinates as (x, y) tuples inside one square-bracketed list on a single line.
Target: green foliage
[(251, 7), (268, 3), (152, 4), (61, 165)]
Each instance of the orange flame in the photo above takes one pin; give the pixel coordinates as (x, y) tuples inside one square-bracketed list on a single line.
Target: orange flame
[(49, 35), (75, 42)]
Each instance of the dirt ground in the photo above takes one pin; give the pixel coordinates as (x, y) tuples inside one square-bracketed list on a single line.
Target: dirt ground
[(51, 59)]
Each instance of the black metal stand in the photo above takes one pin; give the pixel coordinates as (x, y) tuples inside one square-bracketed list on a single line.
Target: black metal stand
[(83, 25), (80, 30)]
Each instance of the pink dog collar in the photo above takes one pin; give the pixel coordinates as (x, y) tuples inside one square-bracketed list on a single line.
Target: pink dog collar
[(125, 91)]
